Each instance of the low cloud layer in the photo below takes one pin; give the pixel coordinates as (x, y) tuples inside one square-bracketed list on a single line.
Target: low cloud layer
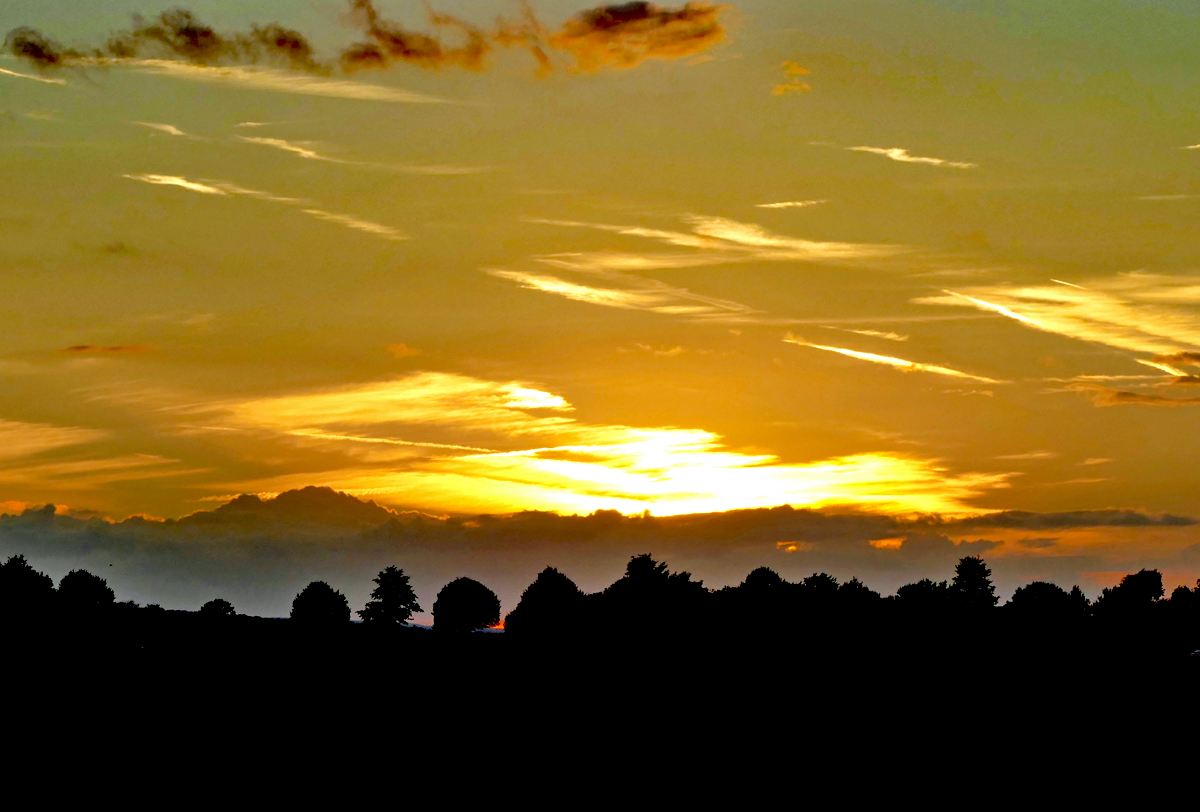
[(258, 553)]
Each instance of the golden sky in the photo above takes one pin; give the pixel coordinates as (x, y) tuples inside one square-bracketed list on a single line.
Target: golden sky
[(886, 257)]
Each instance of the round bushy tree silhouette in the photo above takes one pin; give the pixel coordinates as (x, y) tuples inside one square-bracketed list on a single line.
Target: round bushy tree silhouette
[(81, 592), (217, 609), (464, 605), (22, 588), (319, 604), (548, 606)]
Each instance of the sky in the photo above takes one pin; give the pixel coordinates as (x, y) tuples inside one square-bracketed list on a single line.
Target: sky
[(872, 260)]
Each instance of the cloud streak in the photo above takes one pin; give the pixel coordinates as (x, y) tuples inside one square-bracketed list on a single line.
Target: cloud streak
[(898, 363), (903, 156), (223, 189), (1128, 318)]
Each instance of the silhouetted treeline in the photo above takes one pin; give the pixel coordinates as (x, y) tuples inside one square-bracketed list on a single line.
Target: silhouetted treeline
[(648, 609)]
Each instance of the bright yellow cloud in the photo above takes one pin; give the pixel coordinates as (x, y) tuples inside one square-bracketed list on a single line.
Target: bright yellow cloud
[(570, 465)]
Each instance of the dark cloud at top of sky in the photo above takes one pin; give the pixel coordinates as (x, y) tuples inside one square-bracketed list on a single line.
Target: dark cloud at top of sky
[(618, 36), (258, 553)]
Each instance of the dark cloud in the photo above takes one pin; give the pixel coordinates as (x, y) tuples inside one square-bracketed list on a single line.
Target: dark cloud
[(1037, 543), (1184, 358), (35, 47), (619, 36), (259, 552), (95, 348), (624, 35), (1023, 520), (1103, 396)]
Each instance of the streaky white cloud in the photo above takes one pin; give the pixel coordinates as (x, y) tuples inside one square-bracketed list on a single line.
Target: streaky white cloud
[(408, 169), (279, 81), (234, 189), (890, 336), (169, 129), (1029, 455), (387, 232), (19, 439), (1167, 368), (791, 204), (1122, 313), (641, 294), (251, 124), (287, 146), (719, 240), (1168, 197), (175, 180), (898, 363), (902, 155), (43, 79)]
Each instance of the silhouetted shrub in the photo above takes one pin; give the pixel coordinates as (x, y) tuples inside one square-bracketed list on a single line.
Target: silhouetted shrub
[(319, 604), (392, 602), (464, 605), (1040, 601), (650, 601), (23, 590), (925, 597), (1133, 598), (549, 607), (81, 593), (217, 609)]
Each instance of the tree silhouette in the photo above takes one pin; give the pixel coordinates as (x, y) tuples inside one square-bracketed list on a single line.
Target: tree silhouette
[(81, 593), (972, 587), (549, 606), (392, 602), (217, 609), (1040, 601), (464, 605), (319, 604), (23, 590), (650, 601), (1131, 599), (924, 596)]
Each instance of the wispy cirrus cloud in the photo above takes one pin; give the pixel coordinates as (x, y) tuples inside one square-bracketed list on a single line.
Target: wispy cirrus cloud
[(305, 150), (902, 155), (223, 189), (387, 232), (638, 293), (898, 363), (176, 180), (791, 204), (1124, 313), (888, 335), (272, 79), (1029, 455), (43, 79), (720, 240), (169, 129), (19, 439)]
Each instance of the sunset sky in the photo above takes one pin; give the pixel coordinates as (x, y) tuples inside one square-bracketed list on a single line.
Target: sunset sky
[(869, 257)]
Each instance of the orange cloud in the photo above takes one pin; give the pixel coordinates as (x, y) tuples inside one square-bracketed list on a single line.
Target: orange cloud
[(402, 350)]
